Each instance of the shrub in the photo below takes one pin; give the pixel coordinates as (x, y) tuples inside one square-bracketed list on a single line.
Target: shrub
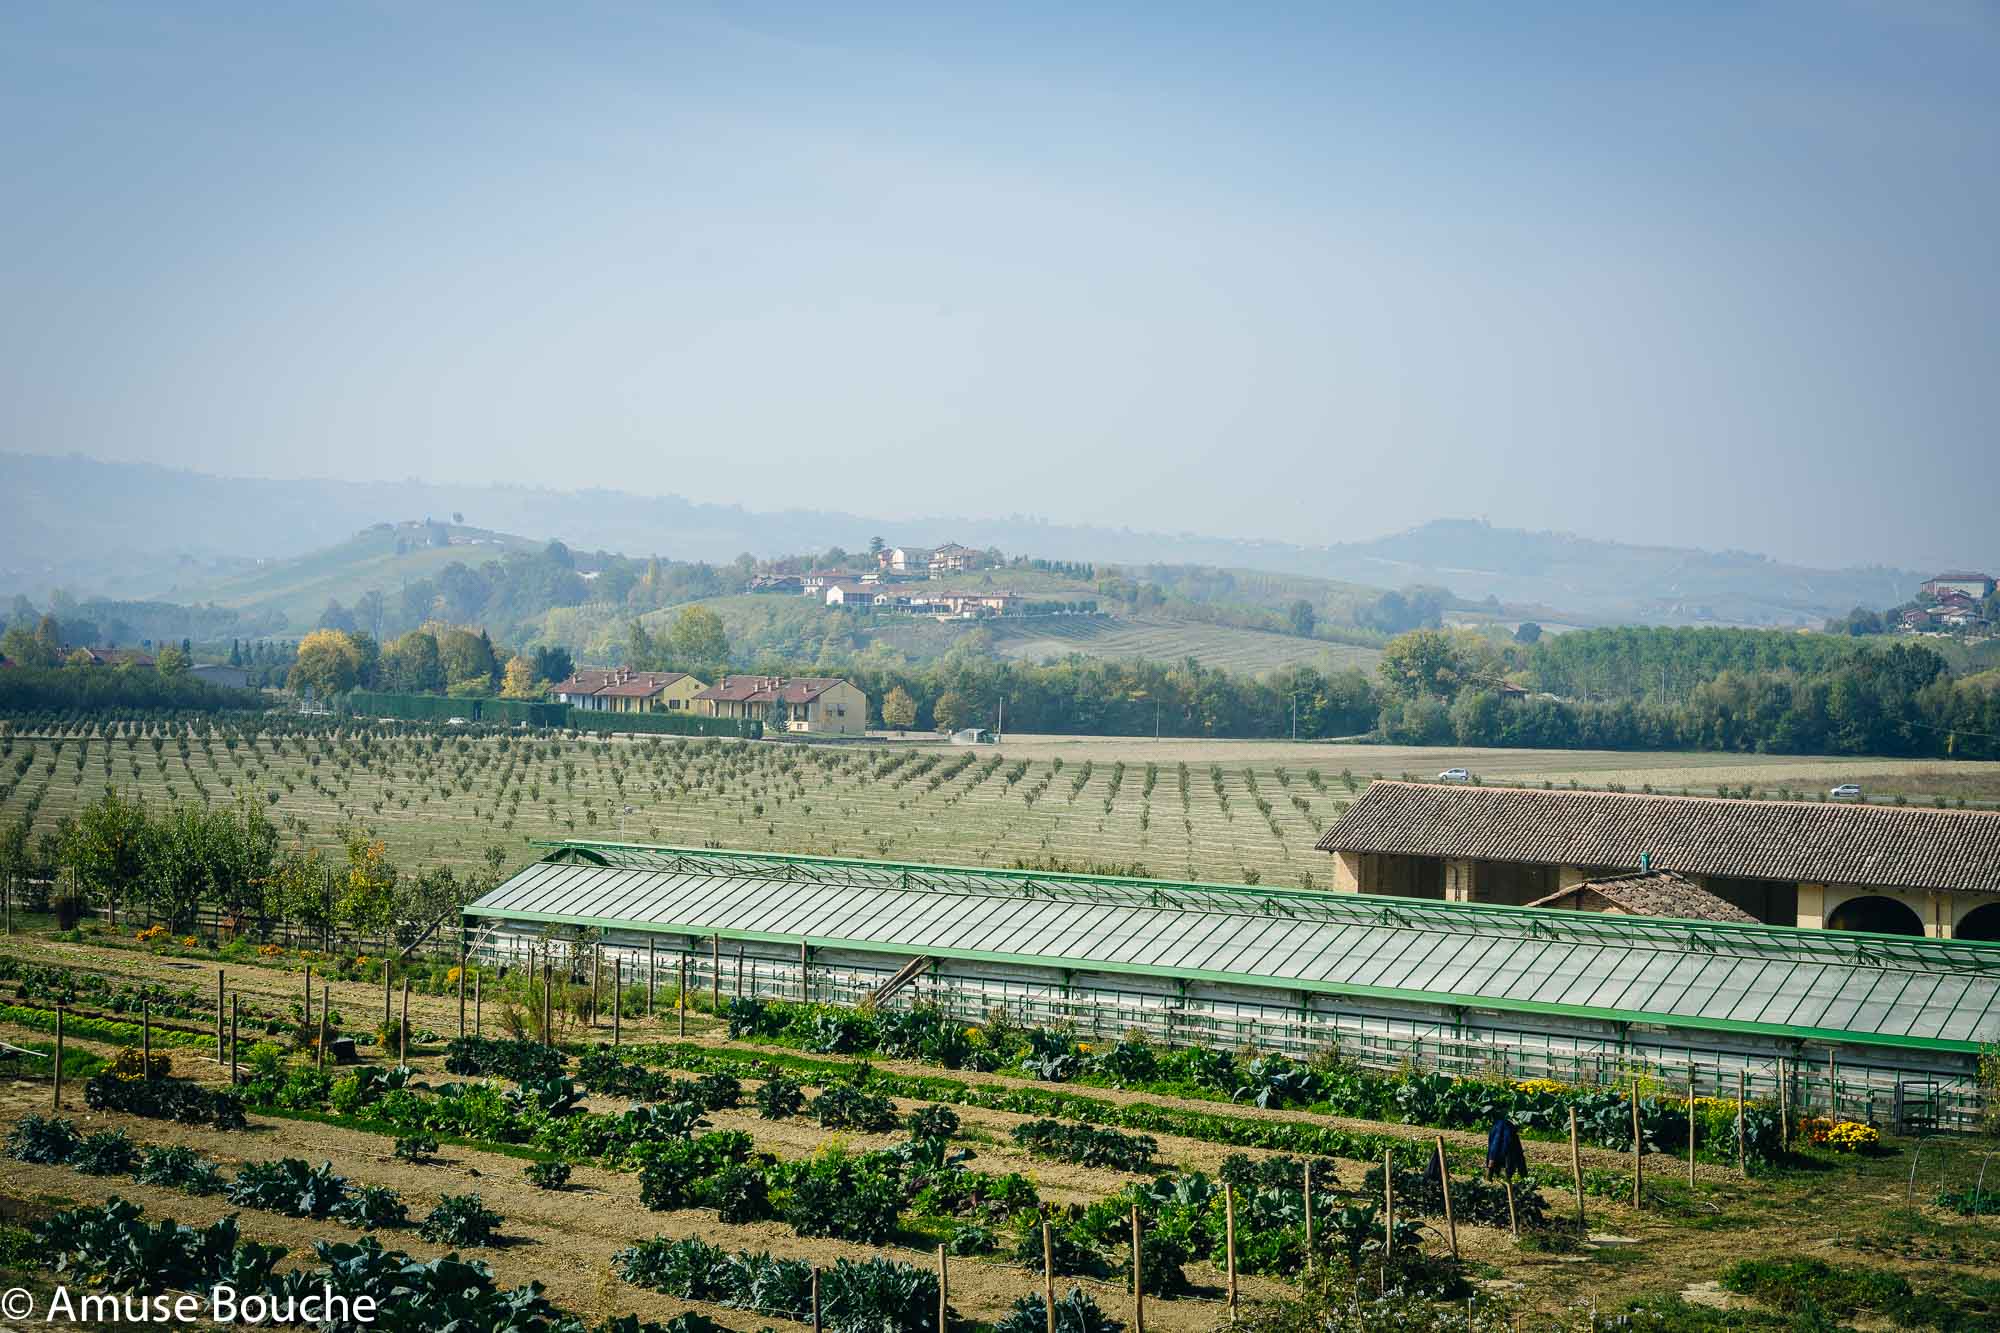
[(370, 1207), (547, 1175), (460, 1219), (43, 1140)]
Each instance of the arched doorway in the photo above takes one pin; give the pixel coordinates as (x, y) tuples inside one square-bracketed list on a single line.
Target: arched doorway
[(1879, 916), (1981, 923)]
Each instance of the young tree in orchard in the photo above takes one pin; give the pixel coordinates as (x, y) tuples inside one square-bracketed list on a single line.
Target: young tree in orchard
[(368, 888), (899, 710), (327, 664), (178, 865)]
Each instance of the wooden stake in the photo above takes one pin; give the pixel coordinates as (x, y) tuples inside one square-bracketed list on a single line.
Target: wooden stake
[(218, 1013), (1309, 1217), (681, 1000), (478, 1009), (59, 1054), (1049, 1275), (461, 990), (652, 972), (715, 987), (1638, 1167), (1742, 1157), (944, 1292), (1388, 1203), (548, 1005), (805, 973), (1691, 1116), (235, 1013), (617, 996), (403, 1027), (388, 997), (1576, 1170), (320, 1053), (1513, 1218), (1138, 1285), (815, 1303), (596, 981), (1444, 1181), (309, 996), (1784, 1110), (146, 1035), (739, 973), (1228, 1244)]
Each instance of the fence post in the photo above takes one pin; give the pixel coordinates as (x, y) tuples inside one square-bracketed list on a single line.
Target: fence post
[(59, 1054), (1228, 1244), (739, 971), (1576, 1170), (1444, 1182), (805, 973), (815, 1300)]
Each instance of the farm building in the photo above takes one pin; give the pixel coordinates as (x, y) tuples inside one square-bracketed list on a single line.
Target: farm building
[(1890, 1026), (1889, 870)]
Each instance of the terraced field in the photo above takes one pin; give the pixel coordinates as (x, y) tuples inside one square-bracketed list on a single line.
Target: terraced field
[(1165, 640)]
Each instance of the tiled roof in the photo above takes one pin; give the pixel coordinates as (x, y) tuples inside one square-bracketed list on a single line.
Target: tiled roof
[(1698, 835), (764, 689), (1654, 893), (617, 683)]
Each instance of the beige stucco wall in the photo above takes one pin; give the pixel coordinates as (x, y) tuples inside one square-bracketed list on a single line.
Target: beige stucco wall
[(841, 711)]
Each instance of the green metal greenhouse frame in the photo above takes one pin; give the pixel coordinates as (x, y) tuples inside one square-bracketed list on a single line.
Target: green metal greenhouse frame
[(1774, 982)]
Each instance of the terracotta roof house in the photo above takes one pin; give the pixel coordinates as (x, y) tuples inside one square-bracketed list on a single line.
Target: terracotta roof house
[(623, 690), (1842, 866), (1973, 584), (1646, 893), (814, 705)]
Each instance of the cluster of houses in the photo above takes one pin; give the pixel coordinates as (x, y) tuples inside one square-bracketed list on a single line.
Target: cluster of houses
[(1952, 603), (876, 589), (813, 705)]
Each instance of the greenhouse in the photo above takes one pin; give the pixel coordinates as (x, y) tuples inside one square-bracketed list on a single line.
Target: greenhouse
[(1889, 1027)]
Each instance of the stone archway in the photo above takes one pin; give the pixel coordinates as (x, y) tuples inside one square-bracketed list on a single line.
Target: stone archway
[(1981, 923), (1876, 915)]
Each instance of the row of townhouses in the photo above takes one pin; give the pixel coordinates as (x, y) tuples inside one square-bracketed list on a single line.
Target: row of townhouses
[(814, 705)]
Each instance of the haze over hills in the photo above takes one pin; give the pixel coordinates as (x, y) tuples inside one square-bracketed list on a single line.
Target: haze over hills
[(135, 530)]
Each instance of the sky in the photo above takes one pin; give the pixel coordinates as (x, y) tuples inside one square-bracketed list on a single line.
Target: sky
[(1718, 275)]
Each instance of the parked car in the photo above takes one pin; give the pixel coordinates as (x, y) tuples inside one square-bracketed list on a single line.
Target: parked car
[(456, 722), (1454, 775), (1846, 791)]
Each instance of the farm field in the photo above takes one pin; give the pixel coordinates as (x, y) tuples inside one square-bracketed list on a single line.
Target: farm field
[(1167, 640), (1210, 810), (1841, 1210)]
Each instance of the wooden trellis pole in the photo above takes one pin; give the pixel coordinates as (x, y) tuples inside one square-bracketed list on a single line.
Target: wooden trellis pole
[(815, 1301), (1742, 1156), (1228, 1245), (1138, 1282), (1388, 1203), (944, 1292), (1309, 1216), (1638, 1165), (1049, 1275), (1444, 1182), (1576, 1170)]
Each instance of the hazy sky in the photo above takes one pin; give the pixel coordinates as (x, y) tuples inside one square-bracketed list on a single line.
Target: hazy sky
[(1721, 275)]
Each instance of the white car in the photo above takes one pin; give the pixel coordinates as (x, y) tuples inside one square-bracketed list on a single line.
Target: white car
[(1454, 775), (456, 722), (1846, 791)]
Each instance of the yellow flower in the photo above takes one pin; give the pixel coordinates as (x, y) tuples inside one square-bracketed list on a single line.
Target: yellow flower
[(1538, 1085)]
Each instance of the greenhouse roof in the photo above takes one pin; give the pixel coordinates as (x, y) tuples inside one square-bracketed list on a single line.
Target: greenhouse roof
[(1819, 985)]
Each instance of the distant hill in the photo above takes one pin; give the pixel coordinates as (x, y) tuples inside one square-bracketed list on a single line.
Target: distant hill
[(136, 530)]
